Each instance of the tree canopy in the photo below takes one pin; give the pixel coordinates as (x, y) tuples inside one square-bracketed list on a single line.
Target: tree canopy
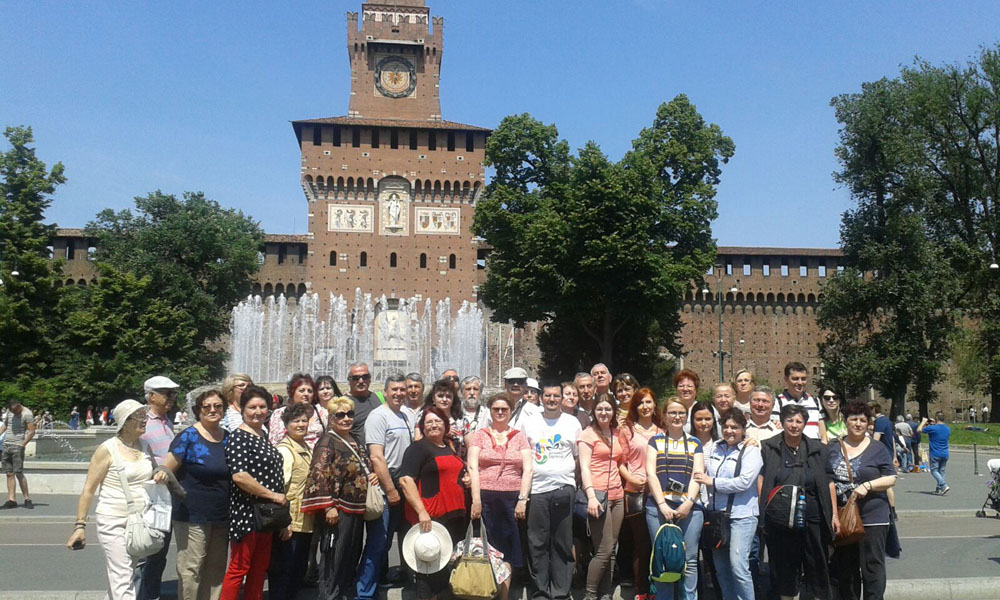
[(919, 155), (600, 251)]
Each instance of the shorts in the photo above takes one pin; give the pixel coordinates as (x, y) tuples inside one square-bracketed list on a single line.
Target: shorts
[(12, 459)]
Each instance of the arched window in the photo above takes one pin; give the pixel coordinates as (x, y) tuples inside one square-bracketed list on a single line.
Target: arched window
[(333, 258), (423, 260), (451, 261), (392, 260), (364, 260)]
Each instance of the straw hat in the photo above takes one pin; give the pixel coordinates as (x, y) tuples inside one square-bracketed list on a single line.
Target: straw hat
[(427, 552), (124, 410)]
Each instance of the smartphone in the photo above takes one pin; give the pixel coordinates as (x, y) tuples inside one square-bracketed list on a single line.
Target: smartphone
[(78, 545)]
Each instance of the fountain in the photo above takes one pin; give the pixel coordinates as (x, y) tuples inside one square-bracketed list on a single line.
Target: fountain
[(273, 338)]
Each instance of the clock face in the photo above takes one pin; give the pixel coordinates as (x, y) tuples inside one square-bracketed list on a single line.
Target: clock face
[(395, 77)]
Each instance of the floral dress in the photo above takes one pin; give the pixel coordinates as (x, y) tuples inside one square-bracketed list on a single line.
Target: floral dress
[(336, 477)]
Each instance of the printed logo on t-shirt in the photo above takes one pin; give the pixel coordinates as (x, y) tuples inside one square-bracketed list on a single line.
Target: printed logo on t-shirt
[(552, 448)]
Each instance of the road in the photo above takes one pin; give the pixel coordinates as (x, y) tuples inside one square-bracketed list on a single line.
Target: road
[(941, 537)]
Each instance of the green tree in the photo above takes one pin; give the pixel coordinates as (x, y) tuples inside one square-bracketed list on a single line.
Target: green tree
[(28, 300), (602, 252), (887, 315), (194, 259)]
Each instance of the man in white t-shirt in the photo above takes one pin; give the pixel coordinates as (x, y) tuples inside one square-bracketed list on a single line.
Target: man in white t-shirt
[(552, 437)]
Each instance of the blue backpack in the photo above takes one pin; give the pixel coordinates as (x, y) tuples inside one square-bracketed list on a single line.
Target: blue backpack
[(667, 561)]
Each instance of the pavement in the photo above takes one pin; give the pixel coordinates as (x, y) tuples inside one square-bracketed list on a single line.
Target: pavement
[(948, 552)]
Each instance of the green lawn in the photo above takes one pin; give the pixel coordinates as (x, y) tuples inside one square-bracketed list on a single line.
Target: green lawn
[(961, 437)]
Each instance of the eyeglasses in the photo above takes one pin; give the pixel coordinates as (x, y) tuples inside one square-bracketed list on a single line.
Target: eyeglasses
[(341, 415), (212, 408), (167, 393), (829, 397), (500, 409), (676, 415), (365, 377), (451, 378)]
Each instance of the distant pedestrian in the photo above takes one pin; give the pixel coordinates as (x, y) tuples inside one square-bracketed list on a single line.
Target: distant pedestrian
[(937, 437), (985, 414), (915, 442), (74, 418), (972, 414), (904, 433), (19, 425), (48, 422)]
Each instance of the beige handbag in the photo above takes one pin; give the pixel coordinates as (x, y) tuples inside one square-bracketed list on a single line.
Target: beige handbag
[(473, 577)]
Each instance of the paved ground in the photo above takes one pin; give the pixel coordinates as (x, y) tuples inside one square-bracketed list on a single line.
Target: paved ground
[(941, 538)]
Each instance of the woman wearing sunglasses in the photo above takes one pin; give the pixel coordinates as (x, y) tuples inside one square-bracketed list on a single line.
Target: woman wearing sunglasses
[(500, 471), (832, 425), (336, 488)]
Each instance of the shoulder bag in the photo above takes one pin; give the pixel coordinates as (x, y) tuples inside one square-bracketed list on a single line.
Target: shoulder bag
[(374, 500), (473, 578), (852, 530), (141, 540), (716, 530), (635, 502)]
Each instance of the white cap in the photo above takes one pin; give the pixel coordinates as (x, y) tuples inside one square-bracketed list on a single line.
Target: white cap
[(533, 384), (159, 383), (515, 373)]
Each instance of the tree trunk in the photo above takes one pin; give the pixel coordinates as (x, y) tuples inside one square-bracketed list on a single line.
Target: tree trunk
[(994, 397)]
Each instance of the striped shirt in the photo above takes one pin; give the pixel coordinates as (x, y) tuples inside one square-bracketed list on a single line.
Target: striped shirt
[(159, 434), (806, 401), (675, 461)]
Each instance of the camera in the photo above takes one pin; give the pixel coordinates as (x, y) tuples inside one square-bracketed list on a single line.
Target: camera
[(675, 486)]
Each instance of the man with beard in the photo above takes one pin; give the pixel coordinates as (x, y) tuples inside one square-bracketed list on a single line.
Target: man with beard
[(475, 415)]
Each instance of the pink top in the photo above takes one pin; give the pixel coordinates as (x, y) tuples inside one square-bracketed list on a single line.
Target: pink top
[(603, 474), (500, 467), (317, 426), (635, 452)]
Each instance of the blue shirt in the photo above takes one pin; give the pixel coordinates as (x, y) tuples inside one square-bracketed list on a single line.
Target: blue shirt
[(205, 477), (884, 426), (720, 464), (937, 437)]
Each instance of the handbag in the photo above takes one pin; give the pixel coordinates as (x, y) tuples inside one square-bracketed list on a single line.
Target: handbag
[(852, 530), (374, 500), (473, 577), (141, 539), (269, 517), (635, 503), (715, 533)]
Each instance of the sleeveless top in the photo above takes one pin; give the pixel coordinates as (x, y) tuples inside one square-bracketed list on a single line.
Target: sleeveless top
[(110, 497), (301, 459)]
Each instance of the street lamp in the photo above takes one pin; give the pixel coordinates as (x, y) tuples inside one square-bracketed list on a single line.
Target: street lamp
[(720, 353)]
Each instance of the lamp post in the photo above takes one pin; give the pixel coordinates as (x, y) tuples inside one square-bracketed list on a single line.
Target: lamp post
[(721, 353)]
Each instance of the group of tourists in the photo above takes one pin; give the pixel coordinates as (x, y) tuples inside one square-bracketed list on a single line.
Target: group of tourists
[(548, 481)]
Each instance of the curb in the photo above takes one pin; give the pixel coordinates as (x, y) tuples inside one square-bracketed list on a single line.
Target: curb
[(973, 588)]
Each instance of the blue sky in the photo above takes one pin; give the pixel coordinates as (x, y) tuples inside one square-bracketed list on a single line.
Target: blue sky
[(186, 95)]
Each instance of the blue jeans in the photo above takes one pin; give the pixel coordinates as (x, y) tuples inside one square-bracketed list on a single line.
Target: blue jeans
[(904, 459), (378, 538), (691, 527), (937, 471), (732, 564)]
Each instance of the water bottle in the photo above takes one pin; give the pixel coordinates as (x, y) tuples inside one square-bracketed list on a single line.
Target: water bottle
[(800, 511)]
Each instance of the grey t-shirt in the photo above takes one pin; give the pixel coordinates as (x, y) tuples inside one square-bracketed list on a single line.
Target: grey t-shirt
[(16, 426), (391, 430), (362, 408)]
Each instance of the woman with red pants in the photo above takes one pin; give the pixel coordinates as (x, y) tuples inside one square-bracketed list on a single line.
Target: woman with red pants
[(257, 475)]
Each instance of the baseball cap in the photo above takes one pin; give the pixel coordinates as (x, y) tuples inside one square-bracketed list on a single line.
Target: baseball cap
[(159, 383), (515, 373), (533, 384)]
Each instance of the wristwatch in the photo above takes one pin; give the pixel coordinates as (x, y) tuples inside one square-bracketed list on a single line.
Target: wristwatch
[(522, 498)]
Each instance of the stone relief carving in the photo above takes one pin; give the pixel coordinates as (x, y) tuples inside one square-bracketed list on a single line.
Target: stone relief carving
[(356, 218), (394, 206), (438, 221)]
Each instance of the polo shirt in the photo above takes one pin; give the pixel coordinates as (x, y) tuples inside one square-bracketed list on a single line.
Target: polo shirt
[(809, 403), (159, 433), (762, 432)]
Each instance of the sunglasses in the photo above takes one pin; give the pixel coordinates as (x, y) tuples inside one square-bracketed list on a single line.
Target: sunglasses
[(212, 408), (829, 397), (517, 381), (500, 409), (365, 377), (342, 415), (451, 378)]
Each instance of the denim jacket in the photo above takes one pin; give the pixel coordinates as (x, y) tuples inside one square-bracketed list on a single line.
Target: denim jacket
[(720, 464)]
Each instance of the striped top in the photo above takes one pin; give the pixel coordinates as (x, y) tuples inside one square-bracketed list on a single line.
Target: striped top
[(674, 461)]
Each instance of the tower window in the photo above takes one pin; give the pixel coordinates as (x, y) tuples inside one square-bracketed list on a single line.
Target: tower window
[(282, 254), (70, 250), (364, 260), (336, 136), (413, 140), (451, 141), (432, 140), (394, 139), (333, 258), (470, 142), (355, 137), (423, 260), (392, 260), (374, 138), (451, 261), (317, 135), (303, 251)]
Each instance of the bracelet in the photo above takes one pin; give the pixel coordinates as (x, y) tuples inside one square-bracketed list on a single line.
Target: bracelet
[(83, 521), (79, 526), (589, 487)]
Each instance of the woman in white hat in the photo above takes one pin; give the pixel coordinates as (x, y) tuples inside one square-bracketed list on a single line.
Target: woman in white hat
[(112, 508), (433, 480)]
